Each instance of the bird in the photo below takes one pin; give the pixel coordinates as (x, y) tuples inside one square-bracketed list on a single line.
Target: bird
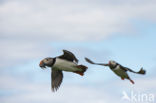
[(118, 69), (66, 62)]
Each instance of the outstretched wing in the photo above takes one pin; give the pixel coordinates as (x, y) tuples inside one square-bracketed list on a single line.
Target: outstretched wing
[(68, 56), (91, 62), (141, 71), (56, 79), (123, 68)]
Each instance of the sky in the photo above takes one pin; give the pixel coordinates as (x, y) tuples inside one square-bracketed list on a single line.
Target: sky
[(101, 30)]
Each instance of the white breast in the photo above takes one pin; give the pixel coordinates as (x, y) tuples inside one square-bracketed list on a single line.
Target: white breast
[(65, 65)]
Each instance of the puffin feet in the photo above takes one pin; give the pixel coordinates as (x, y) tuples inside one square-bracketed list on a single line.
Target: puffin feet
[(122, 78), (132, 81)]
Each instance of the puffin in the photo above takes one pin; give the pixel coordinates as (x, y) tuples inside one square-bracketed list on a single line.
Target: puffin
[(66, 62), (118, 69)]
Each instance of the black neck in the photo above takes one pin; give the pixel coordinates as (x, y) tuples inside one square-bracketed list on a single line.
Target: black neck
[(54, 60), (50, 65)]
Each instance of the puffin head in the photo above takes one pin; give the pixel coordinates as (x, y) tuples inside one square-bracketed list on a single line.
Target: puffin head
[(46, 62), (112, 63)]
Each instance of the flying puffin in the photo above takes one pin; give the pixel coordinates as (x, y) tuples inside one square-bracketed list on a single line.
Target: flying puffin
[(66, 62), (118, 69)]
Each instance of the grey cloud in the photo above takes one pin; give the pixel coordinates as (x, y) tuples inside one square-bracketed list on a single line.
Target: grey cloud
[(28, 26), (23, 90), (17, 52), (71, 20), (38, 92)]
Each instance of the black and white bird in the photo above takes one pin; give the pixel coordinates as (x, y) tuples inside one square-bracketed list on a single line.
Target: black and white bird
[(118, 69), (66, 62)]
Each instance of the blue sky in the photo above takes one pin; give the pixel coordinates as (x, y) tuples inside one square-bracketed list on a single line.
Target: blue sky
[(100, 30)]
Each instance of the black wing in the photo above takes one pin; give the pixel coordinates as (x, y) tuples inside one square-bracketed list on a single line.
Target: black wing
[(123, 68), (91, 62), (56, 79), (141, 71), (68, 56)]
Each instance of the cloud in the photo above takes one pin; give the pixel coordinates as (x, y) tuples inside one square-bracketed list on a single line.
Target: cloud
[(20, 89), (27, 27), (73, 21), (17, 52), (25, 91)]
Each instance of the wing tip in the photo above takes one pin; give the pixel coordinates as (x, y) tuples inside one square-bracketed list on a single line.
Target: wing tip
[(88, 60), (142, 71), (68, 52)]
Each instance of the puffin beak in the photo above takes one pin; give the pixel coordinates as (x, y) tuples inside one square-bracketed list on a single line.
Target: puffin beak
[(42, 65)]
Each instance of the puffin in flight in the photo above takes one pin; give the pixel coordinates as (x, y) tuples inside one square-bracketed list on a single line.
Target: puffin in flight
[(118, 69), (66, 62)]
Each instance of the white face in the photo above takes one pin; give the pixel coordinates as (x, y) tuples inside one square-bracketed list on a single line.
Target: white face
[(48, 61), (113, 63)]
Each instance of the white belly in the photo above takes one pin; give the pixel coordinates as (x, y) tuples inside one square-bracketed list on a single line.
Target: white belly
[(120, 72), (65, 65)]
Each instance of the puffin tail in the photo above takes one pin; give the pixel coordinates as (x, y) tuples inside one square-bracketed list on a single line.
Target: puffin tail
[(83, 69)]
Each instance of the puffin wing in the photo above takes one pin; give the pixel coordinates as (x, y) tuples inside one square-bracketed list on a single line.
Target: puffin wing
[(56, 79), (91, 62), (68, 56), (123, 68), (141, 71)]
